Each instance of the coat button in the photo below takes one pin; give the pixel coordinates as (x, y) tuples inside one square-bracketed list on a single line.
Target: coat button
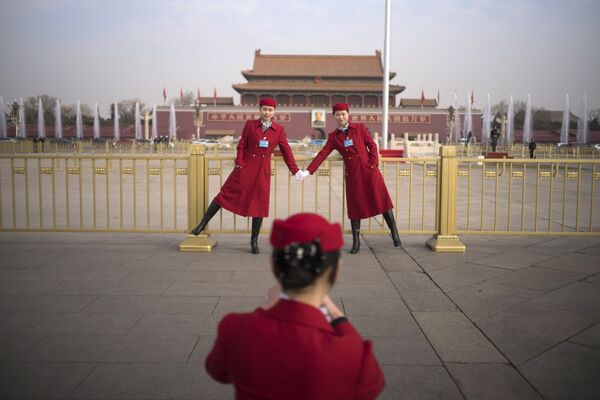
[(263, 156)]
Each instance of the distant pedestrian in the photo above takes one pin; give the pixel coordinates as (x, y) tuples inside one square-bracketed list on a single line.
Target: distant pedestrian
[(532, 147), (494, 136)]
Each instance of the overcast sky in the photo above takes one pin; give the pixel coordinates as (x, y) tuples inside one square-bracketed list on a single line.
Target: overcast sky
[(101, 50)]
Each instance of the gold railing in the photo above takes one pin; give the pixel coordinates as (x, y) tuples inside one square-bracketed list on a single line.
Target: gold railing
[(445, 196), (520, 150), (92, 146), (90, 192), (533, 197), (411, 184)]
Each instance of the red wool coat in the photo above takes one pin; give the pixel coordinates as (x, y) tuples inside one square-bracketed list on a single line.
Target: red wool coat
[(366, 193), (291, 352), (247, 190)]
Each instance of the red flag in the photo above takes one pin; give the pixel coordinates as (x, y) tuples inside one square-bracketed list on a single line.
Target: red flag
[(181, 95), (164, 94), (214, 96), (472, 97), (422, 98)]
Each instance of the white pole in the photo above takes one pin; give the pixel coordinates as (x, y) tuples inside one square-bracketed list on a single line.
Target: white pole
[(386, 73)]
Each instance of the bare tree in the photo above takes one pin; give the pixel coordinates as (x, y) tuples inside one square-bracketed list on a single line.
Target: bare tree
[(126, 110), (187, 99)]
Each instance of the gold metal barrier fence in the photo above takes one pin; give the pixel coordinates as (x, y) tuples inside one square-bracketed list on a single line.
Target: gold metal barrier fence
[(443, 196), (91, 192), (411, 183), (520, 150), (532, 197), (92, 146)]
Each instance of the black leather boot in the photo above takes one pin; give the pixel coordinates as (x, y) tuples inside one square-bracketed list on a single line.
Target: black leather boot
[(256, 223), (391, 223), (355, 224), (210, 212)]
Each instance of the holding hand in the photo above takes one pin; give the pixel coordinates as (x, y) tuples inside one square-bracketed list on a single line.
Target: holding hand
[(301, 174)]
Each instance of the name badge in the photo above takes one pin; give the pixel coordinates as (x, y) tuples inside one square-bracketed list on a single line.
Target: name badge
[(263, 143), (348, 143)]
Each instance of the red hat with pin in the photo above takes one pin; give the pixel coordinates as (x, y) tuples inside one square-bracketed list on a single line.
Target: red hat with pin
[(267, 101), (340, 107), (306, 228)]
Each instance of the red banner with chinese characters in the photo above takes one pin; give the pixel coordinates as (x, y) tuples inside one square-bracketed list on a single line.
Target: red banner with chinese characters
[(242, 116), (392, 119)]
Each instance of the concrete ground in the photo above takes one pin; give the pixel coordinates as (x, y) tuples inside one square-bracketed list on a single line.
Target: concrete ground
[(127, 316)]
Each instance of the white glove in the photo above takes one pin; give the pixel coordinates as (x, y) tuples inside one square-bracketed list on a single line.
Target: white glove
[(301, 174)]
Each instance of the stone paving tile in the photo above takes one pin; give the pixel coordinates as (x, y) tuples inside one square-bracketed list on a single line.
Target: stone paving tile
[(528, 329), (203, 346), (401, 262), (66, 275), (412, 281), (152, 305), (580, 297), (153, 264), (592, 250), (178, 276), (110, 288), (464, 274), (176, 324), (374, 306), (428, 301), (41, 380), (368, 277), (576, 262), (536, 278), (229, 304), (438, 261), (217, 289), (518, 259), (568, 371), (14, 345), (484, 299), (112, 348), (418, 383), (43, 304), (151, 381), (26, 287), (594, 279), (491, 382), (254, 276), (377, 326), (456, 339), (364, 290), (46, 323), (589, 337), (411, 349)]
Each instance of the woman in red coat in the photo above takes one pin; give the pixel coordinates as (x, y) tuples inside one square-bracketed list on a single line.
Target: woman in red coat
[(300, 345), (247, 190), (366, 193)]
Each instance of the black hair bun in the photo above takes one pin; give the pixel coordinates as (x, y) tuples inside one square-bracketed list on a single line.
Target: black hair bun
[(307, 256)]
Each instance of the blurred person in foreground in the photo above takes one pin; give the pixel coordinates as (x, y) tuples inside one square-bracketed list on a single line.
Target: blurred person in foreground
[(299, 345)]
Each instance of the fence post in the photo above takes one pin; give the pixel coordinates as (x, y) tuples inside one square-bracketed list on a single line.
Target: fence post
[(197, 201), (446, 240)]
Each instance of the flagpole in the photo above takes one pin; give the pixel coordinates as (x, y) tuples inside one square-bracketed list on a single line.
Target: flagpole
[(386, 73)]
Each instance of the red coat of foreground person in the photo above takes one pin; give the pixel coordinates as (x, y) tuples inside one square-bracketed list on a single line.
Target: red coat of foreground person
[(366, 193), (291, 352), (247, 190)]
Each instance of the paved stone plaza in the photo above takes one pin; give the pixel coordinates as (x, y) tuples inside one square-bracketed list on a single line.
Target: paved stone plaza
[(127, 316)]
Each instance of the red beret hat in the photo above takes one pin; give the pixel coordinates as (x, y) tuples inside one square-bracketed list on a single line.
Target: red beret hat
[(340, 107), (305, 228), (267, 101)]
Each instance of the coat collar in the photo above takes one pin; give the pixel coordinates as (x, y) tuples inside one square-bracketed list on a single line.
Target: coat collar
[(299, 313), (351, 126), (258, 124)]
